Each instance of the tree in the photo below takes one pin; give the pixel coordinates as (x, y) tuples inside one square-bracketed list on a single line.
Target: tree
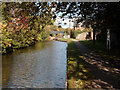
[(25, 23), (99, 15)]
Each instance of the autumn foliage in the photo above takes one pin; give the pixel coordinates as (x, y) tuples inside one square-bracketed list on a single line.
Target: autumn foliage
[(22, 26)]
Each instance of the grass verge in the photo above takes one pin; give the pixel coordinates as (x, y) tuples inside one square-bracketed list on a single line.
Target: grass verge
[(110, 55), (78, 74)]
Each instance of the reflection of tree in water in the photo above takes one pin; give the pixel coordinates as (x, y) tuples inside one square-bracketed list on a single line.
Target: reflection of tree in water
[(7, 61)]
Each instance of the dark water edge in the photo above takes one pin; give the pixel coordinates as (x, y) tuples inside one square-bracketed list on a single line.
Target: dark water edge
[(11, 50)]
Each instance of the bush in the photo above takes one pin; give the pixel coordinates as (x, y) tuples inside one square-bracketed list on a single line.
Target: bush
[(75, 33), (18, 38)]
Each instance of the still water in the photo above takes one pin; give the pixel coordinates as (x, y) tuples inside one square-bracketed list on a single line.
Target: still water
[(40, 66)]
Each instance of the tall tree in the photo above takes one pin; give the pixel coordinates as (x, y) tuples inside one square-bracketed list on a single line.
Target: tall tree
[(100, 15)]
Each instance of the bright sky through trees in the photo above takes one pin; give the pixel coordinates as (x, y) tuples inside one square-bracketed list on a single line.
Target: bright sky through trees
[(64, 23), (66, 20)]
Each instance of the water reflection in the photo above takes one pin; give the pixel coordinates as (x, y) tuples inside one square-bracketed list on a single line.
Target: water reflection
[(39, 66)]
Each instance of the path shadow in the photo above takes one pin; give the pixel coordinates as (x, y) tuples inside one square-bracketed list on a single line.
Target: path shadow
[(106, 76)]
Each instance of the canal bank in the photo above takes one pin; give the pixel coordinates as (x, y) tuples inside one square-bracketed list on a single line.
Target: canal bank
[(78, 74), (41, 66)]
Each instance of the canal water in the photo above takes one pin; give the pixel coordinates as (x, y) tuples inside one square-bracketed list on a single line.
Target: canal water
[(40, 66)]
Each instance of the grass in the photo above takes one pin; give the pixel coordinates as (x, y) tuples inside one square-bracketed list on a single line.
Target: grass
[(110, 55), (98, 47), (78, 74)]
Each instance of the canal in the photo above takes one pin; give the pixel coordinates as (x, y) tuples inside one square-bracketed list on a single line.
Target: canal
[(40, 66)]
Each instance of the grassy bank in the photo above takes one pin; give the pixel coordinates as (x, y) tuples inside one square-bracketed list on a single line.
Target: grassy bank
[(78, 74), (98, 47), (112, 56)]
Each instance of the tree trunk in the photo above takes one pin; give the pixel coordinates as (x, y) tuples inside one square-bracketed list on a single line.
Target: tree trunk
[(93, 36)]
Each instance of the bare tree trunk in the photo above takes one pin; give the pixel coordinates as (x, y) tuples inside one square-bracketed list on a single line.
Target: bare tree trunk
[(93, 36)]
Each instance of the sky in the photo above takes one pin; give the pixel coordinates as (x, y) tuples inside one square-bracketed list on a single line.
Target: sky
[(60, 20), (66, 20)]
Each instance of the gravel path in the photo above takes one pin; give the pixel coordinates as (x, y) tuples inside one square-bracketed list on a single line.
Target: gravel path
[(106, 77)]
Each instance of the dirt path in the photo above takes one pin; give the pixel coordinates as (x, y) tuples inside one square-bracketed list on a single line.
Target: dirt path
[(106, 77)]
